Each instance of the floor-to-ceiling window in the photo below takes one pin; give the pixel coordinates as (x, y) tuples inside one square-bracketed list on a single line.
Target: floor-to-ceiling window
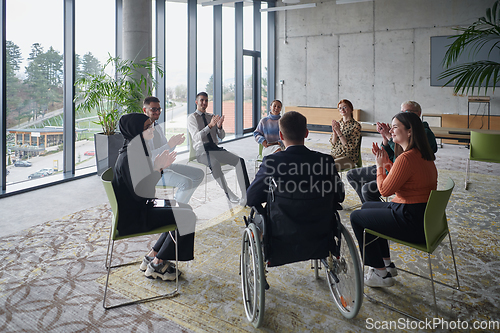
[(34, 89), (91, 54), (228, 66), (264, 63), (176, 70), (35, 72)]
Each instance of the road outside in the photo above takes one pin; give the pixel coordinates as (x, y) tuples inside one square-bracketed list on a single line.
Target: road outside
[(176, 120), (20, 174)]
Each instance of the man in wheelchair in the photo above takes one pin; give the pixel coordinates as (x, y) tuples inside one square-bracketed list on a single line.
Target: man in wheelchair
[(302, 191)]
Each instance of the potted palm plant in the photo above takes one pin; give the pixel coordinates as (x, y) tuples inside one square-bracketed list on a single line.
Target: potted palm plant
[(485, 32), (118, 88)]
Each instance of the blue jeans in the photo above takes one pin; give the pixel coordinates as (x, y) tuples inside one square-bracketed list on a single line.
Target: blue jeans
[(185, 178)]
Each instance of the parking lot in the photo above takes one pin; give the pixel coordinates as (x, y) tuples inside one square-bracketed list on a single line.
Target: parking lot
[(50, 161)]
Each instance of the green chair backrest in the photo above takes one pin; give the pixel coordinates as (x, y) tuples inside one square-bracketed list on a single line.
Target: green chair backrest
[(107, 178), (435, 224), (360, 161), (261, 148), (484, 147)]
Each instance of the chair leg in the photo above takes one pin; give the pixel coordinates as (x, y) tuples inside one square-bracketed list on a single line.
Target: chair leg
[(107, 251), (433, 289), (109, 270), (454, 263), (373, 300), (206, 181), (467, 173), (142, 300), (315, 266)]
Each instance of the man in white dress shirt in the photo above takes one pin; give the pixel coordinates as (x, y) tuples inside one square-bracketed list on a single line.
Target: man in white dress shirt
[(206, 130)]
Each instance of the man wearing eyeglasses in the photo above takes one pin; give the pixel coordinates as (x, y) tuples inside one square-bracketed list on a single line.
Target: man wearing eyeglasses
[(364, 180), (184, 177)]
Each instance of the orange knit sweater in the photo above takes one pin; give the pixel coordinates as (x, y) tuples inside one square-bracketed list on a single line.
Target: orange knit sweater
[(411, 177)]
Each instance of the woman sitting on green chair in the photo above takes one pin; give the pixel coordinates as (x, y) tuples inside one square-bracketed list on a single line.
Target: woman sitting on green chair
[(412, 177), (135, 177), (267, 131)]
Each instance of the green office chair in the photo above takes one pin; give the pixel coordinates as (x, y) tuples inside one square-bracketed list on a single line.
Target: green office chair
[(436, 229), (259, 158), (106, 178), (484, 147)]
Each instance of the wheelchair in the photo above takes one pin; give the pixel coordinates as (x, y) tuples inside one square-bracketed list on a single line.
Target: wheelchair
[(341, 262)]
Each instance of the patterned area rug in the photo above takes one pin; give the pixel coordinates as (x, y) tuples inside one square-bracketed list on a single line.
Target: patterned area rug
[(52, 276)]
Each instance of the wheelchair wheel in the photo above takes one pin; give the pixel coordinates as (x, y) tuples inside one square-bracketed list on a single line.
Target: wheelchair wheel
[(344, 276), (252, 276)]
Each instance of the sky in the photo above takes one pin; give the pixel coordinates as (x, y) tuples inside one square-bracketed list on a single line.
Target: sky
[(35, 21)]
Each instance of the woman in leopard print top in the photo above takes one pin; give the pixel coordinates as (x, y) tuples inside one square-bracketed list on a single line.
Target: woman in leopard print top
[(346, 137)]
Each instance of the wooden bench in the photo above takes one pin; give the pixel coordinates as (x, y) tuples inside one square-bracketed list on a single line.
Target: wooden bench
[(320, 119)]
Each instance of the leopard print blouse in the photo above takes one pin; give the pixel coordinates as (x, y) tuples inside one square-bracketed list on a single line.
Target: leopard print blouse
[(352, 132)]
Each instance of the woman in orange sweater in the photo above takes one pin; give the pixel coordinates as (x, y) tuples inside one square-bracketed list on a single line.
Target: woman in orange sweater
[(412, 177)]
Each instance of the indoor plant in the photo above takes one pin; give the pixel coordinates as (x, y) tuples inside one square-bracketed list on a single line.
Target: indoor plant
[(486, 30), (118, 88)]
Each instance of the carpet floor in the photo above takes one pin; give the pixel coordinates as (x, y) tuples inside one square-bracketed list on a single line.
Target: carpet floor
[(52, 277)]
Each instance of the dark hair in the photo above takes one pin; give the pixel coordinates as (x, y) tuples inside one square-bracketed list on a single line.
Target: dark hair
[(346, 101), (204, 94), (418, 137), (276, 100), (293, 126), (150, 99)]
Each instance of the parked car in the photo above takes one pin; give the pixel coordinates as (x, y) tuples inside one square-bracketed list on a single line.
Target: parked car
[(89, 153), (37, 174), (19, 163), (47, 171)]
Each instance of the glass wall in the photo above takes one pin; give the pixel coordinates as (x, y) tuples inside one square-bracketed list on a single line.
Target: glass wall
[(34, 75), (34, 88), (248, 90), (228, 67), (263, 62), (91, 54), (205, 56), (176, 70)]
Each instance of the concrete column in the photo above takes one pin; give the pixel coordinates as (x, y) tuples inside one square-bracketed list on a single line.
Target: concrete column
[(137, 31)]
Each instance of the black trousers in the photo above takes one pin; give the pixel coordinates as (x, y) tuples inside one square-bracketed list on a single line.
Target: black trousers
[(213, 158), (364, 182), (165, 245), (401, 221)]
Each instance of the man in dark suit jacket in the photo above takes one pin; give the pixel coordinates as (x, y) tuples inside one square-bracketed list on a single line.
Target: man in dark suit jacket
[(309, 190)]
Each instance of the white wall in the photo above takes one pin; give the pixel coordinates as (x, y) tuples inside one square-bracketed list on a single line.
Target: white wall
[(376, 54)]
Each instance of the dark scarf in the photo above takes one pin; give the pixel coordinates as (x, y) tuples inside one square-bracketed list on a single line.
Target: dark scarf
[(132, 125)]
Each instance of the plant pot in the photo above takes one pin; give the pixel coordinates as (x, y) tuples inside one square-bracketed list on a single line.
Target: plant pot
[(106, 150)]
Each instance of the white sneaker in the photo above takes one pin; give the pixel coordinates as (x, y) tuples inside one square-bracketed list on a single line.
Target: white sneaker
[(145, 262), (373, 280), (392, 269), (165, 271)]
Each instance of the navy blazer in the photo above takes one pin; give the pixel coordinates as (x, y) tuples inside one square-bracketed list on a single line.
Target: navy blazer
[(297, 167), (302, 211)]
